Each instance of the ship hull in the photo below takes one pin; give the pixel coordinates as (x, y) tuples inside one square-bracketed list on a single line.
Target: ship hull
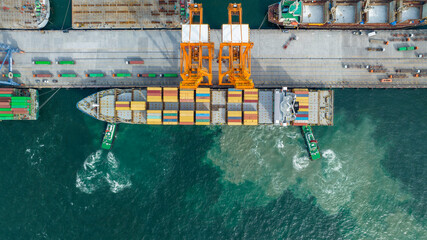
[(206, 106)]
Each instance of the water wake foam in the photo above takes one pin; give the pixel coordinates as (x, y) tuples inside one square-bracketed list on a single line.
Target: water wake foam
[(349, 177), (98, 171)]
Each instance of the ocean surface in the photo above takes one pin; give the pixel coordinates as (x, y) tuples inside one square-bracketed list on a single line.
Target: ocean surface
[(217, 182)]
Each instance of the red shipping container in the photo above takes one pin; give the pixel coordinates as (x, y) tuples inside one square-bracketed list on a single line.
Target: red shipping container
[(302, 115), (5, 112), (251, 101), (301, 92), (4, 99), (299, 124), (235, 120), (202, 117)]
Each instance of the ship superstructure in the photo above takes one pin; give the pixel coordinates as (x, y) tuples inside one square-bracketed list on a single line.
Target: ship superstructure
[(348, 14), (210, 106)]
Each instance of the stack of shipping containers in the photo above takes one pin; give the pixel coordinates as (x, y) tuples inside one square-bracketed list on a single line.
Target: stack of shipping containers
[(155, 105), (186, 101), (234, 107), (302, 111), (13, 105), (203, 99), (170, 112), (122, 106), (250, 107)]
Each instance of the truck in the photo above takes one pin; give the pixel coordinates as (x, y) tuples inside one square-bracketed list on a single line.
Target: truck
[(373, 49), (42, 75), (122, 75), (65, 62), (135, 62), (147, 75), (407, 48), (95, 75)]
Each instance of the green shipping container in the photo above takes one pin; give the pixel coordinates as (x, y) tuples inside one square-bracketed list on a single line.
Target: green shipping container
[(171, 75), (95, 75), (21, 97), (42, 62), (67, 75), (5, 109), (5, 95), (6, 118), (6, 115), (66, 62)]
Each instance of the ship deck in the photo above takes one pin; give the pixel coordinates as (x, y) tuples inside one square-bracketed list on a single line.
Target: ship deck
[(107, 14)]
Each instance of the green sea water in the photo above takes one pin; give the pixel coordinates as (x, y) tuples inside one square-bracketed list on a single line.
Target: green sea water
[(217, 182), (193, 182)]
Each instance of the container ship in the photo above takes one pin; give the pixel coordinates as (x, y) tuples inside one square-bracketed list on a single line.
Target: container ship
[(18, 104), (365, 14), (24, 14), (209, 106)]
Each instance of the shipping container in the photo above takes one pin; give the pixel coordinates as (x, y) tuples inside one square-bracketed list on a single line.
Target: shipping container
[(67, 75), (154, 117), (135, 62), (6, 118), (42, 62), (5, 95), (186, 117), (138, 105), (6, 62), (95, 75), (169, 75), (65, 62), (170, 117), (154, 94), (407, 48), (122, 75), (170, 94), (186, 95), (234, 118), (202, 117), (15, 75), (43, 75)]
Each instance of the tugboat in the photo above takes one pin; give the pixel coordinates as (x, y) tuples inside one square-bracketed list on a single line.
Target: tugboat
[(312, 146), (109, 136)]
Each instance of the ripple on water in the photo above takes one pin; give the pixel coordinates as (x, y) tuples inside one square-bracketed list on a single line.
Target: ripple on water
[(100, 170)]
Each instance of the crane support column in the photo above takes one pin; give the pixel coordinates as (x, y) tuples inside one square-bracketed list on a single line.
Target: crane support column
[(235, 42), (196, 51)]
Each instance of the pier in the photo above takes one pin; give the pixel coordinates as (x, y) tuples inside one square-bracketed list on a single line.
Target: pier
[(316, 59)]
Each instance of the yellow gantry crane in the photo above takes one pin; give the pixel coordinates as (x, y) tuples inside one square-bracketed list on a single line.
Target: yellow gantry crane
[(196, 51), (235, 42)]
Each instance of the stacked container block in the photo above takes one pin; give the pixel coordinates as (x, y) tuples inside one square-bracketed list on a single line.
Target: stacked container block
[(302, 114), (234, 118), (170, 117), (251, 96), (137, 105), (250, 108), (203, 117), (186, 95), (13, 105), (170, 94), (122, 105), (250, 118), (154, 117), (203, 95), (186, 117), (154, 94), (234, 95)]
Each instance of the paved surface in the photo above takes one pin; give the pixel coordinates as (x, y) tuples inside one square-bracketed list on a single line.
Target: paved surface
[(315, 59)]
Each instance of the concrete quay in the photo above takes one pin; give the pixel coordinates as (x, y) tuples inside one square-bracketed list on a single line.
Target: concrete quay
[(314, 60)]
